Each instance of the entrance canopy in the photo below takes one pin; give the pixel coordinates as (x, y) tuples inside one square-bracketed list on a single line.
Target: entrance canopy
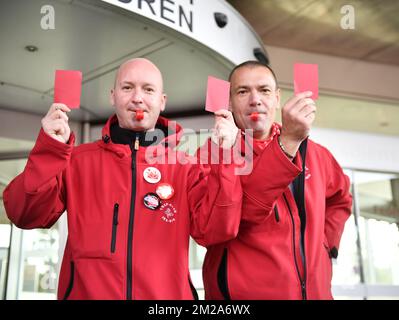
[(187, 39)]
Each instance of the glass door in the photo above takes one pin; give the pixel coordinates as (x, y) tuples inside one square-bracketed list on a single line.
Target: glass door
[(378, 196), (29, 259)]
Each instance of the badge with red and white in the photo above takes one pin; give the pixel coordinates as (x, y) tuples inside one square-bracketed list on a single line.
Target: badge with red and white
[(152, 201), (169, 212), (165, 191), (152, 175)]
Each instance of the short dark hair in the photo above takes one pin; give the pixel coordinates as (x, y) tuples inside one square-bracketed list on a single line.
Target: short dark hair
[(253, 64)]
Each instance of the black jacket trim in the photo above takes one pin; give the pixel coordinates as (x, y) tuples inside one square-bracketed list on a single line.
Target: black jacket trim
[(222, 277), (71, 280), (193, 291)]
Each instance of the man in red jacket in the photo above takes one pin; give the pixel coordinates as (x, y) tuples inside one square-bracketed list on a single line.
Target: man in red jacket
[(130, 212), (295, 202)]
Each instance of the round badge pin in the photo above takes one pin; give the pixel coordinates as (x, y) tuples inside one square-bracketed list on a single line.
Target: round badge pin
[(152, 201), (152, 175), (165, 191)]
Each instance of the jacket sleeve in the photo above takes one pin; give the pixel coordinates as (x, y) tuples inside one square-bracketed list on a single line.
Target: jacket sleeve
[(215, 197), (36, 197), (338, 204), (271, 175)]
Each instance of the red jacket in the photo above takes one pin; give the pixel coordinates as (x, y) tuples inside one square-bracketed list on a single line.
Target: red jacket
[(264, 261), (117, 248)]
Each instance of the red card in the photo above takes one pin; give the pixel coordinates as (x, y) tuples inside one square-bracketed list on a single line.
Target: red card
[(67, 87), (306, 78), (217, 95)]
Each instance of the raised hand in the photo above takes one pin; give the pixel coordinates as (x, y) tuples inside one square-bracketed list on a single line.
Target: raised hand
[(298, 115), (55, 123), (225, 131)]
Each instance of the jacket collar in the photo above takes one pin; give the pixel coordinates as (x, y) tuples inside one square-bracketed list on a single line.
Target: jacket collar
[(121, 140), (259, 145)]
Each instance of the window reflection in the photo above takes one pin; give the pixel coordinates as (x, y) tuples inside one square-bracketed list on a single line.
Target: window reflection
[(32, 272), (8, 170), (5, 231), (40, 263), (346, 266), (378, 201)]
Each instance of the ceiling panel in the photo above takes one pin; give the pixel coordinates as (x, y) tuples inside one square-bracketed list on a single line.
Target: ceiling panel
[(90, 37), (314, 26)]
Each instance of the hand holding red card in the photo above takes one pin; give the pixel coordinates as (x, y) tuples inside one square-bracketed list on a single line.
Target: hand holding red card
[(306, 78), (68, 87), (217, 95)]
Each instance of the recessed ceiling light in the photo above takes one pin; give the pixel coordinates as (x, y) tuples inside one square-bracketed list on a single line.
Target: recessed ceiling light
[(31, 48)]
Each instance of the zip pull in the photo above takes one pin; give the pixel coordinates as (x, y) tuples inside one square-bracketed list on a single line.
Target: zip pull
[(303, 286), (136, 143)]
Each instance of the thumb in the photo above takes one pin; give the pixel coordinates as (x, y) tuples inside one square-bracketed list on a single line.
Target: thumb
[(222, 113), (226, 114)]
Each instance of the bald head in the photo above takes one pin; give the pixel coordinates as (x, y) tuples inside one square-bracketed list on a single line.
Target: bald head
[(138, 87), (139, 64)]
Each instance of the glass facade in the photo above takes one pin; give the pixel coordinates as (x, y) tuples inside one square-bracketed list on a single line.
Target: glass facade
[(39, 264), (5, 235)]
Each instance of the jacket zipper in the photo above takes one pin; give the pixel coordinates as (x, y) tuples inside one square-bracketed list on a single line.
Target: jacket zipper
[(114, 227), (302, 281), (134, 149)]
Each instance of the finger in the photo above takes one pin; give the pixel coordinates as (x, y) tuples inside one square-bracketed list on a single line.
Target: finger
[(224, 114), (56, 128), (292, 102), (310, 109), (307, 109), (225, 134), (301, 104), (59, 106), (311, 116), (58, 114), (51, 110), (229, 116), (225, 125), (307, 102), (221, 121), (305, 94), (219, 113), (59, 125)]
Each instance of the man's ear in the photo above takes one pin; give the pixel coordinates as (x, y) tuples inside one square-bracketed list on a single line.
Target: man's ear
[(278, 97), (112, 97), (164, 99), (230, 107)]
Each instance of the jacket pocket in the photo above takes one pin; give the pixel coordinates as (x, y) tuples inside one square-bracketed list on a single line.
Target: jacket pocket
[(222, 277), (71, 280), (114, 227)]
